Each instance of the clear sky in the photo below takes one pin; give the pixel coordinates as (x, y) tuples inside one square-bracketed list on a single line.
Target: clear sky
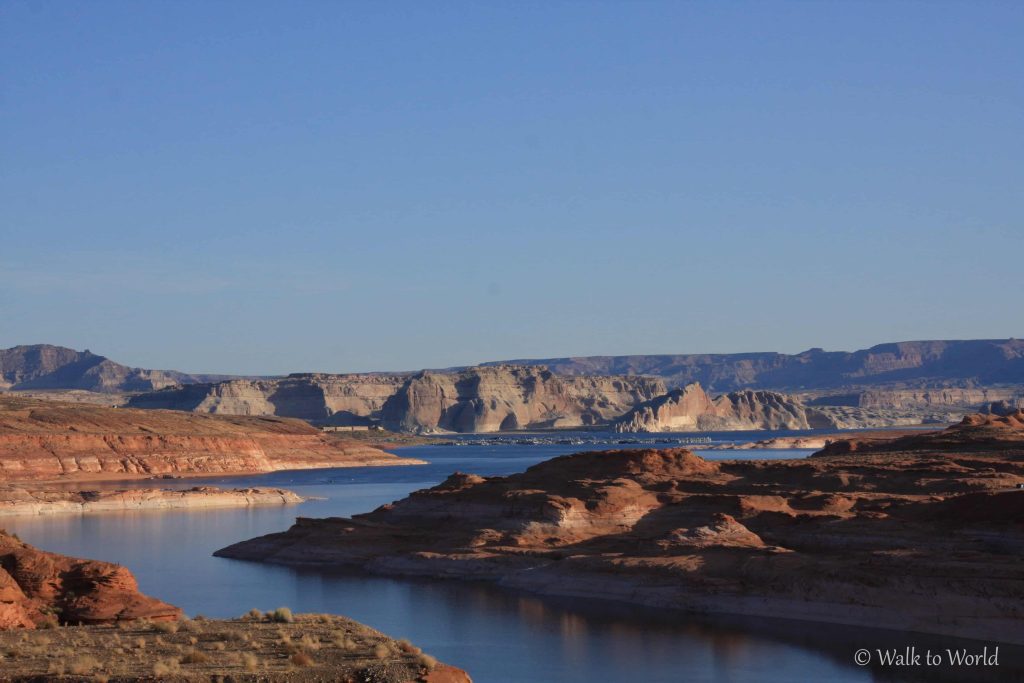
[(267, 187)]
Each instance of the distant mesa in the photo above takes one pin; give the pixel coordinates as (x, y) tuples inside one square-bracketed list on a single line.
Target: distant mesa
[(975, 362), (47, 367), (890, 385)]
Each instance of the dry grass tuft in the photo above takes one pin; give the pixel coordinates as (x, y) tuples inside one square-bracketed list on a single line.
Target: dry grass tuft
[(83, 664), (195, 657), (301, 659), (166, 667), (427, 661), (408, 648), (381, 651), (250, 661), (281, 615), (166, 626)]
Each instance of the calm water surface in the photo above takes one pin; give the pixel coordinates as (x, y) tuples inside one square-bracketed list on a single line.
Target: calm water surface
[(496, 635)]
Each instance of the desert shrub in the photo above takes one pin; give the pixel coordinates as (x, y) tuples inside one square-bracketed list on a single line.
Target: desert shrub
[(250, 661), (254, 615), (426, 661), (309, 643), (195, 657), (82, 665), (165, 667), (381, 651), (166, 626), (282, 615), (301, 659), (408, 648), (190, 625)]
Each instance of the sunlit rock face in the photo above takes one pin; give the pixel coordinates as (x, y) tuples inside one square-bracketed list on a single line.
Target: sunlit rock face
[(504, 398)]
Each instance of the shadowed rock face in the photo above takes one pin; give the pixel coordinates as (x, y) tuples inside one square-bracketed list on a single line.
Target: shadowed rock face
[(43, 366), (492, 399), (48, 439), (55, 367), (37, 586), (921, 540)]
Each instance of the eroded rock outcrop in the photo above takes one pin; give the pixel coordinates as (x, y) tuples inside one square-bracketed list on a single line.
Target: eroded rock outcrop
[(502, 398), (37, 587), (927, 539), (691, 409), (322, 398), (49, 440)]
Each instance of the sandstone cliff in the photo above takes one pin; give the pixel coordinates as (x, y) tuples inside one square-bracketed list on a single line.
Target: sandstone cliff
[(322, 398), (37, 587), (922, 540), (47, 440), (501, 398), (691, 409)]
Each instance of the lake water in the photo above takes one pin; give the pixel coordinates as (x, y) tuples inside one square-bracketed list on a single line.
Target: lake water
[(496, 635)]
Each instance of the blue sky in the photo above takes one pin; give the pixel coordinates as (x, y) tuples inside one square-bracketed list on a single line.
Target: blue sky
[(267, 187)]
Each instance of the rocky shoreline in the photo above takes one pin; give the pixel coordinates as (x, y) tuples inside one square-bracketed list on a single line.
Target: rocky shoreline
[(922, 535), (16, 500), (64, 618)]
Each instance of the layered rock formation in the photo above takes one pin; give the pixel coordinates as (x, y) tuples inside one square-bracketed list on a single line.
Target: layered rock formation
[(43, 366), (502, 398), (947, 363), (927, 539), (975, 433), (19, 500), (38, 587), (691, 409), (321, 398), (48, 440)]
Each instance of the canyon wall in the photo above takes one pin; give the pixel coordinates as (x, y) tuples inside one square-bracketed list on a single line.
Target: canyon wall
[(49, 440), (691, 409), (500, 398), (328, 399)]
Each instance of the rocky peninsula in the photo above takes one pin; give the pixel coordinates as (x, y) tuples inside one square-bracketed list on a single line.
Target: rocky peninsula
[(41, 589), (50, 440), (90, 622), (919, 533), (19, 500)]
